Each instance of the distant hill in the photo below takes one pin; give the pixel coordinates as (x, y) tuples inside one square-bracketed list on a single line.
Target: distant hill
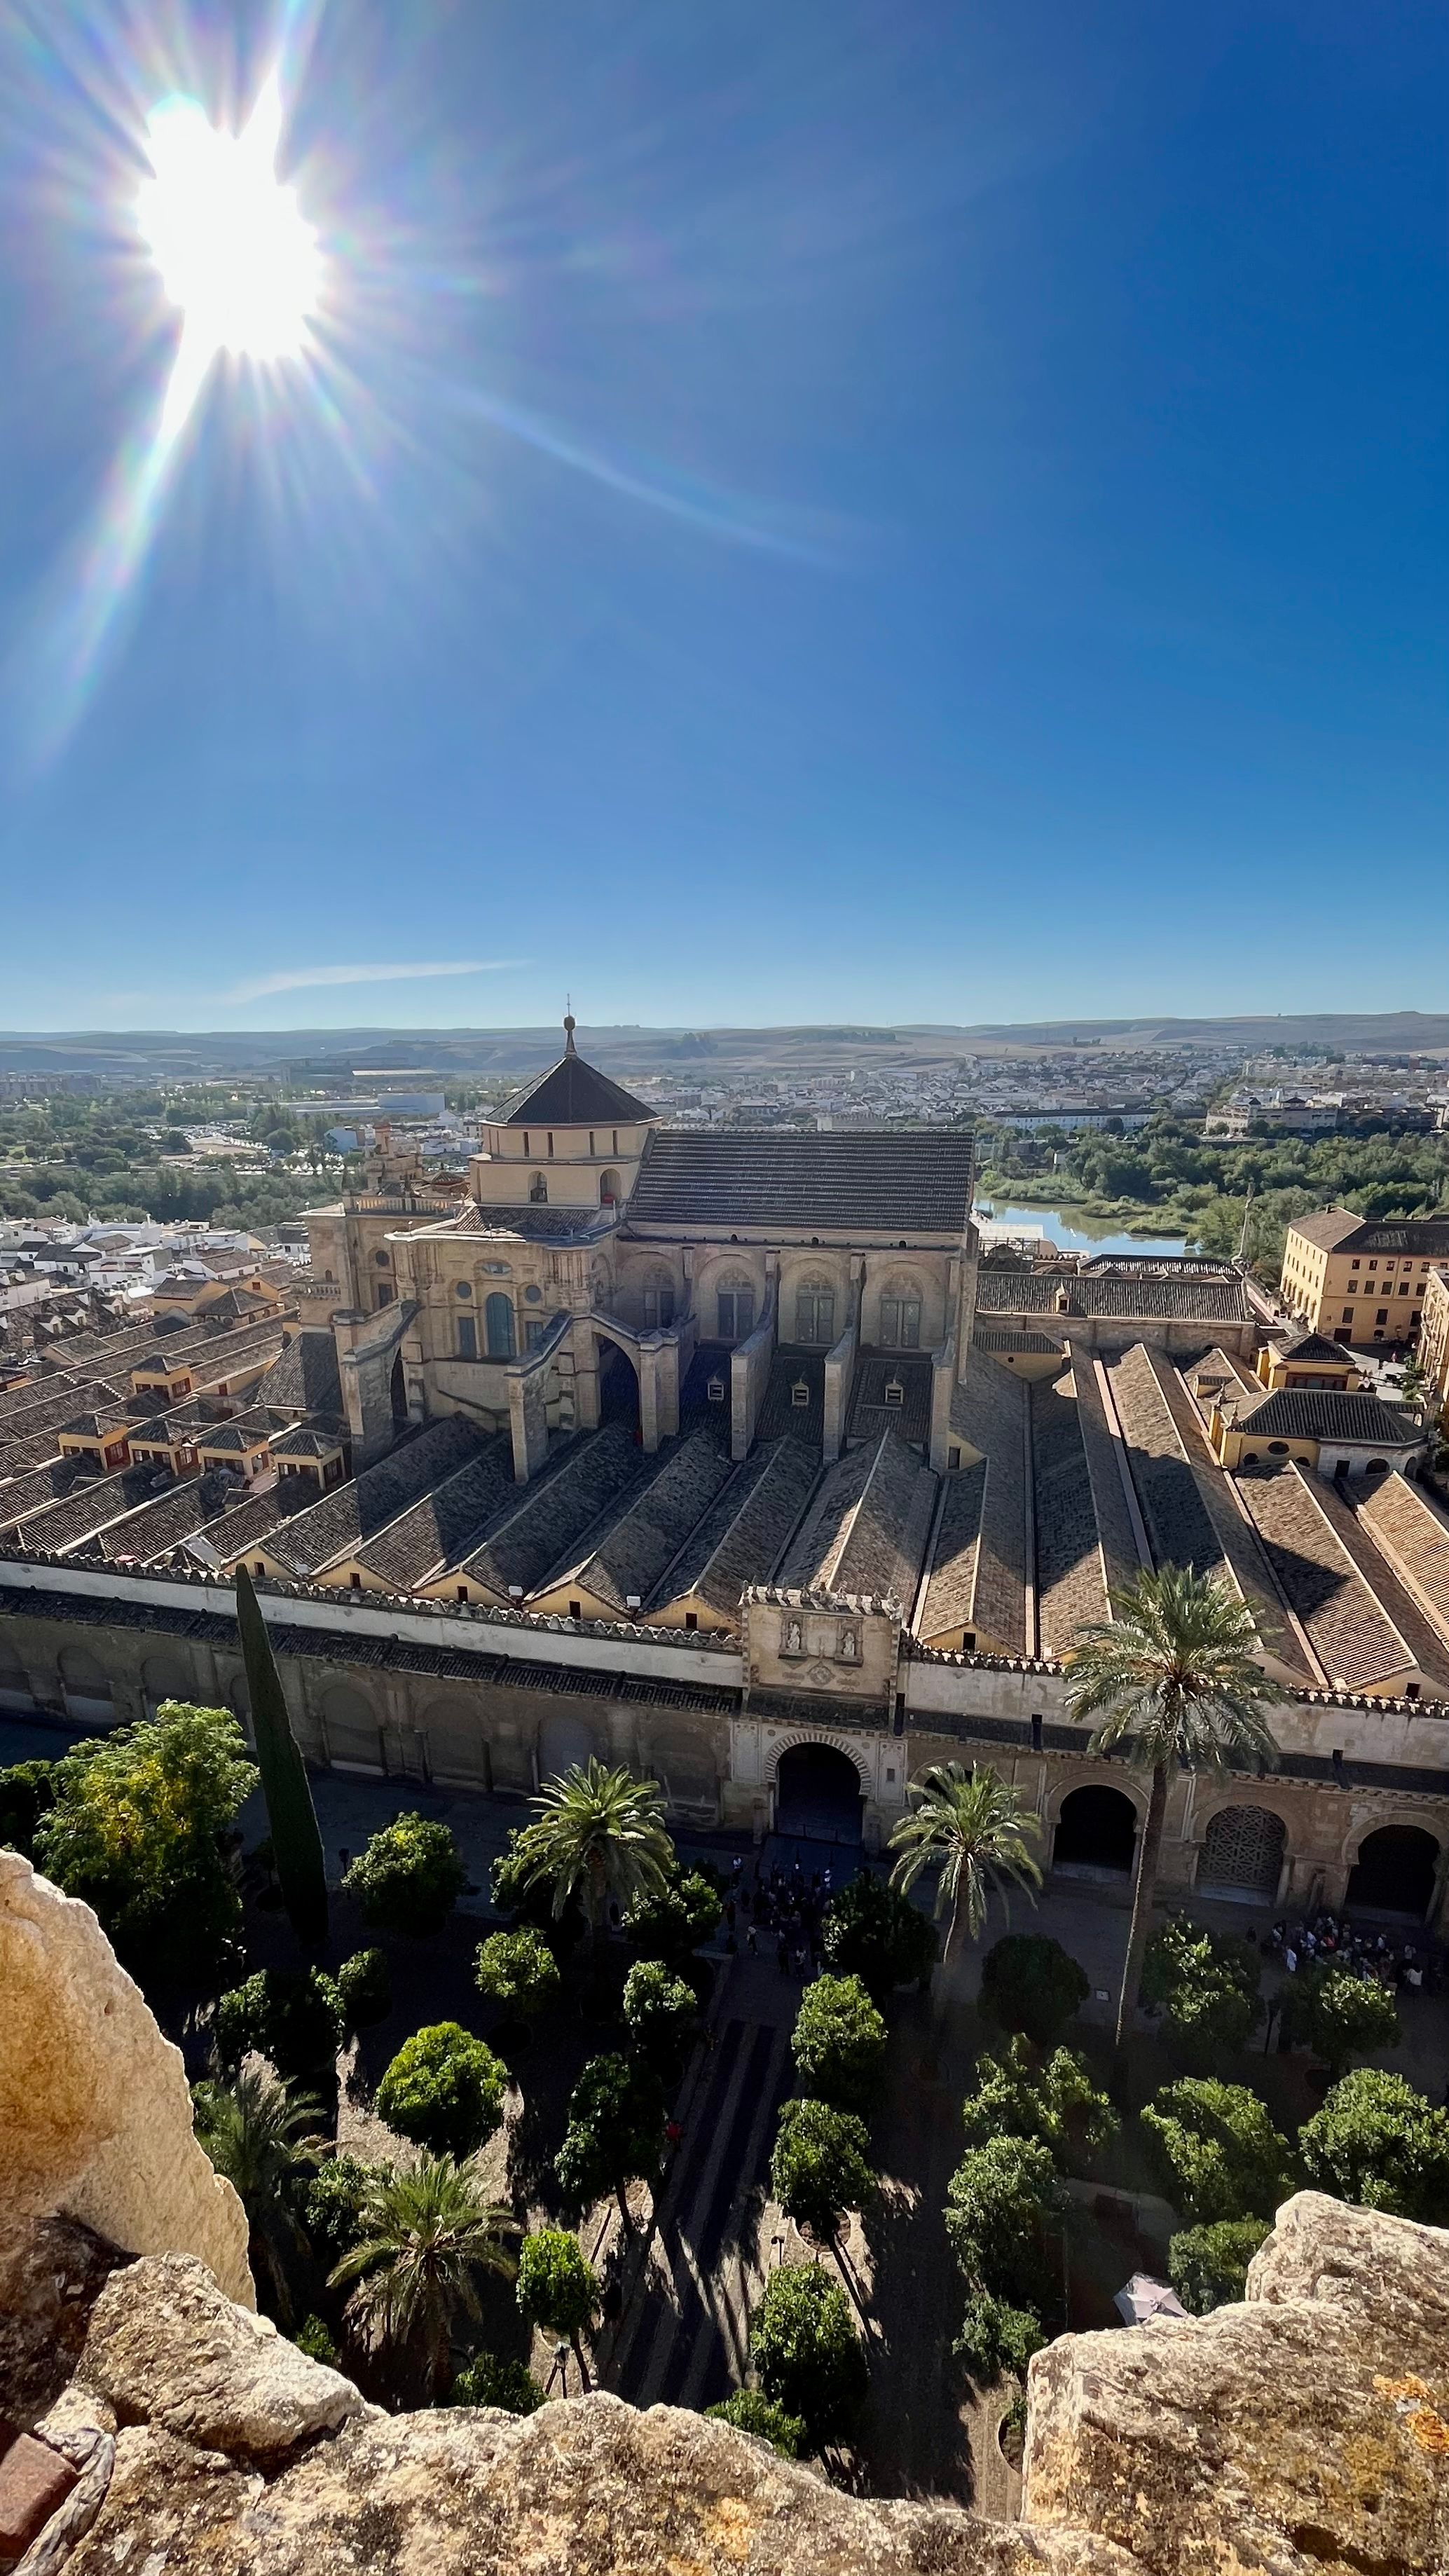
[(332, 1055)]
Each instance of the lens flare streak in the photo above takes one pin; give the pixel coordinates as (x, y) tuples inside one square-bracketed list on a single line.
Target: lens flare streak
[(236, 257)]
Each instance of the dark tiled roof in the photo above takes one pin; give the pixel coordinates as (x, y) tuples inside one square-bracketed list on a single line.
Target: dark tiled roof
[(446, 1525), (866, 1529), (950, 1594), (1316, 1347), (1178, 1525), (910, 1415), (309, 1440), (555, 1512), (1071, 1586), (739, 1541), (915, 1182), (359, 1509), (779, 1412), (1339, 1230), (998, 1338), (1327, 1228), (1219, 1300), (304, 1379), (644, 1538), (980, 1561), (154, 1529), (33, 1492), (575, 1094), (234, 1531), (1327, 1413), (532, 1224), (84, 1511)]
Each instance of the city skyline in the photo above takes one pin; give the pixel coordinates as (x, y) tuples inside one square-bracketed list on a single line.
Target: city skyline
[(785, 523)]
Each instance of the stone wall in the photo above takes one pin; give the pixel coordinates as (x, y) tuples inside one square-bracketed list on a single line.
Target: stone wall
[(1303, 2433), (95, 2113)]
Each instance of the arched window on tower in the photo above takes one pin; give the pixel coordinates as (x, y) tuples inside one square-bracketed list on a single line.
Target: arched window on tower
[(610, 1191), (538, 1190), (498, 1323)]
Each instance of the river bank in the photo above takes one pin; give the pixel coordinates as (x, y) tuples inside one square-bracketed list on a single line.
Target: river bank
[(1086, 1224)]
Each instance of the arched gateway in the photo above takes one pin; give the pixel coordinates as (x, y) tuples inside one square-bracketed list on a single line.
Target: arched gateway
[(818, 1794)]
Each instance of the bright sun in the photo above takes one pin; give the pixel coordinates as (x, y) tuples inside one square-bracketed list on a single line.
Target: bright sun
[(232, 247)]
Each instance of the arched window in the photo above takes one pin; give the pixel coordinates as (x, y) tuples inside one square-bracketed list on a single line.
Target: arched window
[(498, 1319), (815, 1311), (610, 1189), (538, 1190), (734, 1307), (900, 1315)]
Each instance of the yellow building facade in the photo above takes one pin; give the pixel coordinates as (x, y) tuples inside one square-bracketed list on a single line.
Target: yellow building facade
[(1357, 1281)]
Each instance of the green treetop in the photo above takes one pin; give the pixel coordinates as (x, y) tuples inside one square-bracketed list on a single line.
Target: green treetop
[(137, 1829)]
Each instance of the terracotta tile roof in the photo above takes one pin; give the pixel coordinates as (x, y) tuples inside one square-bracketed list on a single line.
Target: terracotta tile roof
[(916, 1182), (779, 1412), (154, 1529), (866, 1529), (1104, 1466), (1222, 1300), (990, 1410), (949, 1601), (1352, 1636), (1328, 1228), (445, 1525), (645, 1536), (245, 1524), (553, 1514), (1071, 1583), (1411, 1535), (910, 1416), (38, 1487), (304, 1379), (1315, 1347), (739, 1541), (358, 1510), (1338, 1229), (86, 1509), (1327, 1413)]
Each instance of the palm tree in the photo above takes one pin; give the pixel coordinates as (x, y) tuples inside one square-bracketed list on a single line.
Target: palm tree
[(430, 2230), (598, 1833), (262, 2137), (974, 1831), (1174, 1676)]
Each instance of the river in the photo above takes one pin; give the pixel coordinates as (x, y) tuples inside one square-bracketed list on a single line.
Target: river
[(1075, 1232)]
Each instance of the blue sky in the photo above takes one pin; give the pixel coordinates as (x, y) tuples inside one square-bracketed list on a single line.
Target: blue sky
[(921, 509)]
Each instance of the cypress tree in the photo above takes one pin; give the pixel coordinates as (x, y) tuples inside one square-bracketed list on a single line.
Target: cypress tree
[(296, 1842)]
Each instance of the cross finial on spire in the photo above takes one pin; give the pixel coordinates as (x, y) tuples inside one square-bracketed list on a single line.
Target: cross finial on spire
[(569, 1048)]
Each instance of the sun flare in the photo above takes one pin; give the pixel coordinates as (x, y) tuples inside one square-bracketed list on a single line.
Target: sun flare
[(234, 252)]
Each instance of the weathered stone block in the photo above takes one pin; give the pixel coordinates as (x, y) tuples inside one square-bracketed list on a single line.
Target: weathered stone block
[(1284, 2434), (166, 2348)]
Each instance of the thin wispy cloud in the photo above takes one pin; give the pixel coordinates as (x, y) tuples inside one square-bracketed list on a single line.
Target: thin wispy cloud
[(302, 979)]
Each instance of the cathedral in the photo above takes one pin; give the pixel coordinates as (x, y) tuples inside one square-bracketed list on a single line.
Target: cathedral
[(602, 1269)]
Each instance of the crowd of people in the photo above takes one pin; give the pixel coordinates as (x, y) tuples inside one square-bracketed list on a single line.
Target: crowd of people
[(1332, 1941), (782, 1908)]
